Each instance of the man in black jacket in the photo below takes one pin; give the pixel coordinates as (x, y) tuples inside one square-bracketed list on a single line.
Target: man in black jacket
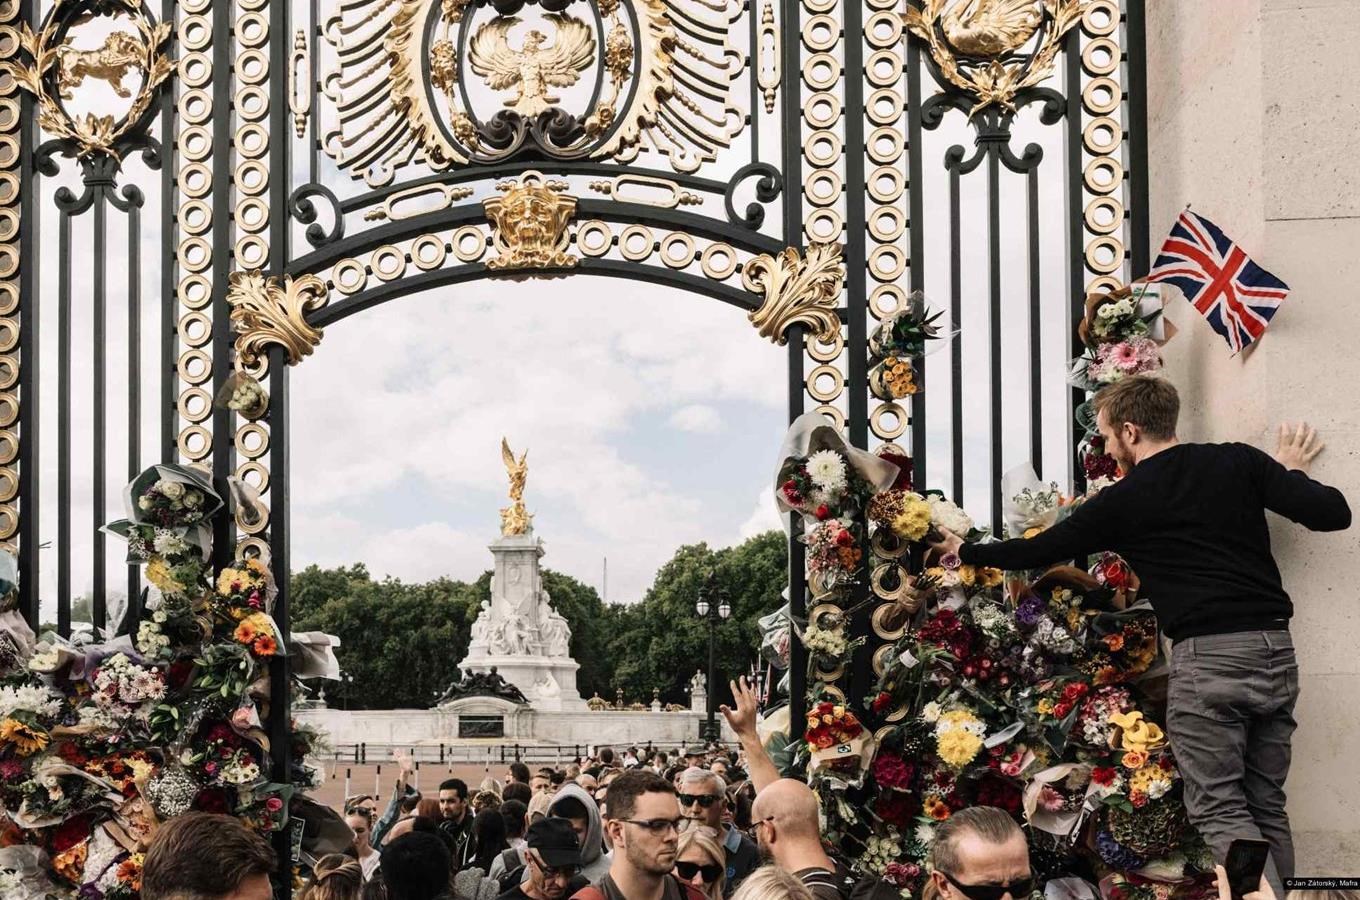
[(1190, 519)]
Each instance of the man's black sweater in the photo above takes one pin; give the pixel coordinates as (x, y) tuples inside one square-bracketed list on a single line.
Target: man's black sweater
[(1191, 522)]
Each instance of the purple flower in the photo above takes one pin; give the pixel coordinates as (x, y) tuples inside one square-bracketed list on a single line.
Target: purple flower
[(1029, 610), (1115, 854), (951, 561)]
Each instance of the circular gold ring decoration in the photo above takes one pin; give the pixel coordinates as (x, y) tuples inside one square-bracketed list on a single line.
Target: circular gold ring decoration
[(1101, 45), (9, 297), (1103, 284), (252, 29), (884, 68), (252, 528), (251, 251), (834, 693), (255, 474), (194, 366), (9, 447), (195, 328), (820, 374), (195, 180), (822, 110), (252, 177), (686, 245), (1090, 135), (1114, 175), (387, 263), (195, 69), (1090, 95), (252, 67), (195, 217), (252, 440), (195, 106), (836, 417), (713, 269), (883, 29), (824, 225), (635, 243), (823, 187), (826, 351), (1104, 215), (9, 522), (888, 545), (9, 372), (194, 254), (887, 223), (1095, 8), (821, 71), (9, 484), (9, 335), (594, 238), (823, 23), (881, 430), (885, 145), (893, 293), (253, 548), (822, 148), (896, 184), (195, 291), (1112, 247), (251, 102), (349, 276), (195, 442), (427, 252), (887, 262), (817, 6), (195, 404), (880, 659), (9, 224), (884, 106), (469, 243), (251, 139)]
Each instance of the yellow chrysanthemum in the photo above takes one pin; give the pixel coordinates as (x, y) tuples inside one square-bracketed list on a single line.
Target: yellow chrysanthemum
[(957, 747), (158, 573), (26, 739), (989, 577), (913, 521), (257, 567), (967, 575), (224, 580)]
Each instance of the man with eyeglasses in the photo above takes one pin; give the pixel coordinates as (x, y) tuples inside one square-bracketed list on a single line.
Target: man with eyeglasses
[(552, 860), (643, 824), (703, 798), (979, 853)]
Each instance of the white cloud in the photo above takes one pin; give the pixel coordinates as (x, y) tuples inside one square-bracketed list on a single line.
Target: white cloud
[(764, 516), (697, 418)]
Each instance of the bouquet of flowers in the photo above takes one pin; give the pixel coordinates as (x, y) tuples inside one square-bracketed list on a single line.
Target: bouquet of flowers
[(906, 333), (243, 589), (893, 378), (256, 632), (124, 690), (242, 393)]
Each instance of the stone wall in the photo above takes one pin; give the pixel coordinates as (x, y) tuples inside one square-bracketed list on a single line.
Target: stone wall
[(414, 727), (1254, 117)]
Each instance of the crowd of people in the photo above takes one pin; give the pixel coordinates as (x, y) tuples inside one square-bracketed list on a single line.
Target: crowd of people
[(705, 824)]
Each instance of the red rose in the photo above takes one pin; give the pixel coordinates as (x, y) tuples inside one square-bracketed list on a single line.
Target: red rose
[(273, 804), (823, 513), (844, 538), (1103, 775), (71, 832)]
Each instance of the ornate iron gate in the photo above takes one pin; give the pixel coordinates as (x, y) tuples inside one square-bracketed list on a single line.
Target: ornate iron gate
[(305, 162)]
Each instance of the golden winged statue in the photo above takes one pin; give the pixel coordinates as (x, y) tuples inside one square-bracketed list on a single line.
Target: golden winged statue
[(515, 519), (991, 27), (534, 68)]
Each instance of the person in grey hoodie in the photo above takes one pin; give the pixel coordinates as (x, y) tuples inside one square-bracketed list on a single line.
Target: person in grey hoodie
[(572, 803)]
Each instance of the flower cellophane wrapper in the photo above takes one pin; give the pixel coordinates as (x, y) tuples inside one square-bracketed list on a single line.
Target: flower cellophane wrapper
[(859, 748), (313, 654), (811, 432)]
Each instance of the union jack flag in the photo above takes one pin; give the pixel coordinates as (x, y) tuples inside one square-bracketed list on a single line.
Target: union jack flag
[(1234, 294)]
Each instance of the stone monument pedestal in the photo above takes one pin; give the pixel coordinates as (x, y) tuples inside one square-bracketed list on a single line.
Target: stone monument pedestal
[(519, 634)]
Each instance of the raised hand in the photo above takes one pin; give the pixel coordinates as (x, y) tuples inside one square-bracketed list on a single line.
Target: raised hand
[(743, 718), (1298, 446)]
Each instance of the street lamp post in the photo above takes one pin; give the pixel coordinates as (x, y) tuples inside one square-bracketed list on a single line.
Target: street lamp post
[(348, 681), (712, 605)]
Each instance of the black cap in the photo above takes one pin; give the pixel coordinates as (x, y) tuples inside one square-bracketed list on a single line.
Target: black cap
[(555, 841)]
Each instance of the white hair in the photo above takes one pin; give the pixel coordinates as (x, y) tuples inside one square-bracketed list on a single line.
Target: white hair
[(694, 773)]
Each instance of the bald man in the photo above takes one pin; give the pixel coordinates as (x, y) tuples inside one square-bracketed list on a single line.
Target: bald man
[(784, 816)]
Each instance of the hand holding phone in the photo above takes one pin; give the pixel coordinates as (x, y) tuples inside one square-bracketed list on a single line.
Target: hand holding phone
[(1243, 870)]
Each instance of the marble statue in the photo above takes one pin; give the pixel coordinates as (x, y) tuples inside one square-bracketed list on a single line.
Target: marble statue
[(698, 684)]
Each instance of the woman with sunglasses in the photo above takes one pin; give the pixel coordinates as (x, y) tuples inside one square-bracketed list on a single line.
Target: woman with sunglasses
[(701, 862)]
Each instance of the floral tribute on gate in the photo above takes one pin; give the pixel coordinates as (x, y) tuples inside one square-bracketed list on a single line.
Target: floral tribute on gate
[(103, 738), (1037, 692)]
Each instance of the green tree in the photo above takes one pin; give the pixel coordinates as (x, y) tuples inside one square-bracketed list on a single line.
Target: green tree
[(661, 641)]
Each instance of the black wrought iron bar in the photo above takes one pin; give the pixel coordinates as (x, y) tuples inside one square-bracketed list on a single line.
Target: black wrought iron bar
[(64, 424), (1135, 44), (798, 656), (99, 598), (917, 272), (134, 199), (753, 71), (1075, 256), (314, 38), (955, 321), (1036, 381), (280, 670), (222, 243), (168, 375), (994, 326), (30, 308)]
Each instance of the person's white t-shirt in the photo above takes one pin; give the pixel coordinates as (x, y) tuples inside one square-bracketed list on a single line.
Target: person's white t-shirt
[(370, 865)]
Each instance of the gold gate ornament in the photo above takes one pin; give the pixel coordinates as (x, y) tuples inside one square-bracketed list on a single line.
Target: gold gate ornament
[(529, 224), (798, 290), (265, 312)]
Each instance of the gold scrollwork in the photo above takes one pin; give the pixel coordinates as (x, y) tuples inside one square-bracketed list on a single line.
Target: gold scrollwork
[(529, 224), (110, 62), (265, 312), (972, 43), (798, 290)]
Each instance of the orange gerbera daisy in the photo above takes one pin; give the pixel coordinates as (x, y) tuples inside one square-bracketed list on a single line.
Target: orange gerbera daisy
[(245, 632), (265, 645)]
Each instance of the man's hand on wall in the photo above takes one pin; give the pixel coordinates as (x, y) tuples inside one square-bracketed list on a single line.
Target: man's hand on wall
[(1298, 447)]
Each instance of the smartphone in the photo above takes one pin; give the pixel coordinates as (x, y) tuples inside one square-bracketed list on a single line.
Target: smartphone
[(1245, 863)]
